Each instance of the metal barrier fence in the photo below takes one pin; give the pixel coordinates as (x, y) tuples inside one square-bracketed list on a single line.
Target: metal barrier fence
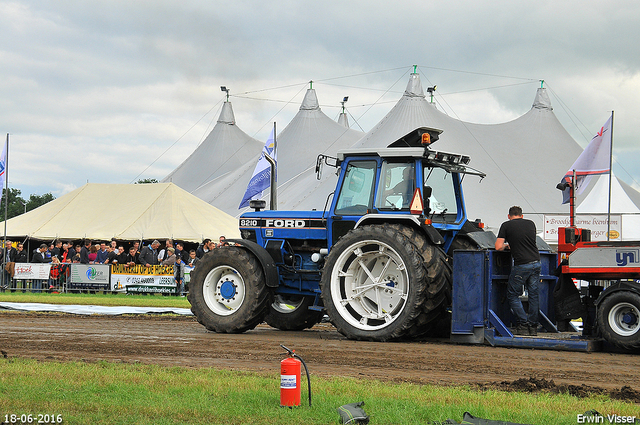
[(79, 278)]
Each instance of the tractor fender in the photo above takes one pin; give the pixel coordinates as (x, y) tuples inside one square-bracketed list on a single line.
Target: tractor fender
[(431, 232), (617, 287), (267, 263), (484, 240)]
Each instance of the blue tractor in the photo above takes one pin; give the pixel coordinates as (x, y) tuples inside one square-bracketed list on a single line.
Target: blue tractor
[(377, 261)]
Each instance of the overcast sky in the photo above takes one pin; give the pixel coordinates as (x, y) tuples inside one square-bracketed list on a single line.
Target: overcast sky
[(114, 91)]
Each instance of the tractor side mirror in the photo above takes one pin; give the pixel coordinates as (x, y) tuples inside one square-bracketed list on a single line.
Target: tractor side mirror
[(427, 191)]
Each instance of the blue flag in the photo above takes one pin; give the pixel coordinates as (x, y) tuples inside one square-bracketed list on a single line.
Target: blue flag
[(3, 165), (261, 178)]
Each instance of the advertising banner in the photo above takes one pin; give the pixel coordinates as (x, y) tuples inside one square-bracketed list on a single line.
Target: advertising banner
[(187, 274), (143, 279), (32, 271), (89, 276), (597, 223)]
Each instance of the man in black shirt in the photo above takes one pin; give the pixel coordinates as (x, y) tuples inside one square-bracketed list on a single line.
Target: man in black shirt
[(519, 235)]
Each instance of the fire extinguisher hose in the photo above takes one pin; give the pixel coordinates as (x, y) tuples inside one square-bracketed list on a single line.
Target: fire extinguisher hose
[(293, 354)]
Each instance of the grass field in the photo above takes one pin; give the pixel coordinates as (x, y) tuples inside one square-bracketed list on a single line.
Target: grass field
[(117, 393), (114, 393), (153, 300)]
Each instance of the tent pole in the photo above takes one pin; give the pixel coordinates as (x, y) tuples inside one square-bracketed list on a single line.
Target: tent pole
[(610, 175)]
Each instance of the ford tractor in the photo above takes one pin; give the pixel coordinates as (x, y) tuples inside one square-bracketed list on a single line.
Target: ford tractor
[(377, 261)]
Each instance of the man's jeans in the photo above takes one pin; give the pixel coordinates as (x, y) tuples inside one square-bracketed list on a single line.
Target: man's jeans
[(528, 276)]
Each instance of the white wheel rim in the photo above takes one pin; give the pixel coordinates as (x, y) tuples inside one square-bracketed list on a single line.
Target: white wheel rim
[(624, 319), (369, 285), (224, 290), (285, 305)]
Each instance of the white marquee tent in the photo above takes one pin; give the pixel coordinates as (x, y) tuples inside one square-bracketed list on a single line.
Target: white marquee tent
[(308, 134), (225, 149), (125, 212), (596, 202)]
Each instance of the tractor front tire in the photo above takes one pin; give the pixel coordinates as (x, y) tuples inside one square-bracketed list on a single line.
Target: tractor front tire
[(619, 319), (292, 313), (375, 284), (227, 291)]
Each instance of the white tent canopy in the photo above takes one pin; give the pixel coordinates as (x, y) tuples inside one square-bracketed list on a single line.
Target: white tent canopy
[(308, 134), (225, 149), (125, 212), (524, 159), (596, 202)]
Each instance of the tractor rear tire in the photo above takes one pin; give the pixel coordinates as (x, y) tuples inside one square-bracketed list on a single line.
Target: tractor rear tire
[(292, 313), (619, 319), (376, 285), (227, 292), (435, 319)]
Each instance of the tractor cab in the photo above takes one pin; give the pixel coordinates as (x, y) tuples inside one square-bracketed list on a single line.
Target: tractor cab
[(404, 182)]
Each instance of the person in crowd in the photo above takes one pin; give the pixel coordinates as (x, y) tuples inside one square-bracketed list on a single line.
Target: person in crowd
[(180, 252), (54, 273), (193, 259), (121, 257), (93, 253), (21, 254), (72, 250), (102, 256), (223, 241), (64, 255), (178, 274), (136, 245), (84, 252), (112, 254), (8, 257), (171, 259), (114, 245), (164, 253), (519, 235), (20, 257), (203, 248), (56, 249), (40, 257), (48, 253), (149, 254), (132, 257)]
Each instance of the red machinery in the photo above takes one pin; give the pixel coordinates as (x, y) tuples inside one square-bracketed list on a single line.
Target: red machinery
[(617, 307)]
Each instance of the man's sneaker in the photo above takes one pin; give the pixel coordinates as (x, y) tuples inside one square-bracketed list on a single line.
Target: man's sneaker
[(533, 330), (521, 329)]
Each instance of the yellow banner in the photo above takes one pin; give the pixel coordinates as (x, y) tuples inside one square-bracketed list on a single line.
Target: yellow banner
[(141, 270)]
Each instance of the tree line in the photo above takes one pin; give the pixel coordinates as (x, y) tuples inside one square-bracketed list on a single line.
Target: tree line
[(18, 205)]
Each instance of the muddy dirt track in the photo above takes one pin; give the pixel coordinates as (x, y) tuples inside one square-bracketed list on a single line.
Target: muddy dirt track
[(170, 340)]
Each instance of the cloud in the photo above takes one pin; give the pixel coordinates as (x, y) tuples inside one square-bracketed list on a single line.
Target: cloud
[(99, 90)]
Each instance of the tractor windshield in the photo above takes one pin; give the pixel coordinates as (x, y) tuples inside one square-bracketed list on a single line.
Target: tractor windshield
[(356, 193), (396, 185), (442, 199)]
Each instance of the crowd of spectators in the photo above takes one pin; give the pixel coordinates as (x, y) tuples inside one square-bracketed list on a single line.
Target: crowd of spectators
[(111, 252)]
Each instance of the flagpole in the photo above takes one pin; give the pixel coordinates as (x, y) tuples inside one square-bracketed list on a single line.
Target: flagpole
[(6, 208), (274, 180), (610, 175)]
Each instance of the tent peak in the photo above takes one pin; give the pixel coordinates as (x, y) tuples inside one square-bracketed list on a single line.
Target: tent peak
[(226, 115), (414, 87), (343, 120), (542, 100), (310, 101)]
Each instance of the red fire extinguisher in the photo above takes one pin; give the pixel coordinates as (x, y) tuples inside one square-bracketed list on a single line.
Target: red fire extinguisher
[(290, 382)]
